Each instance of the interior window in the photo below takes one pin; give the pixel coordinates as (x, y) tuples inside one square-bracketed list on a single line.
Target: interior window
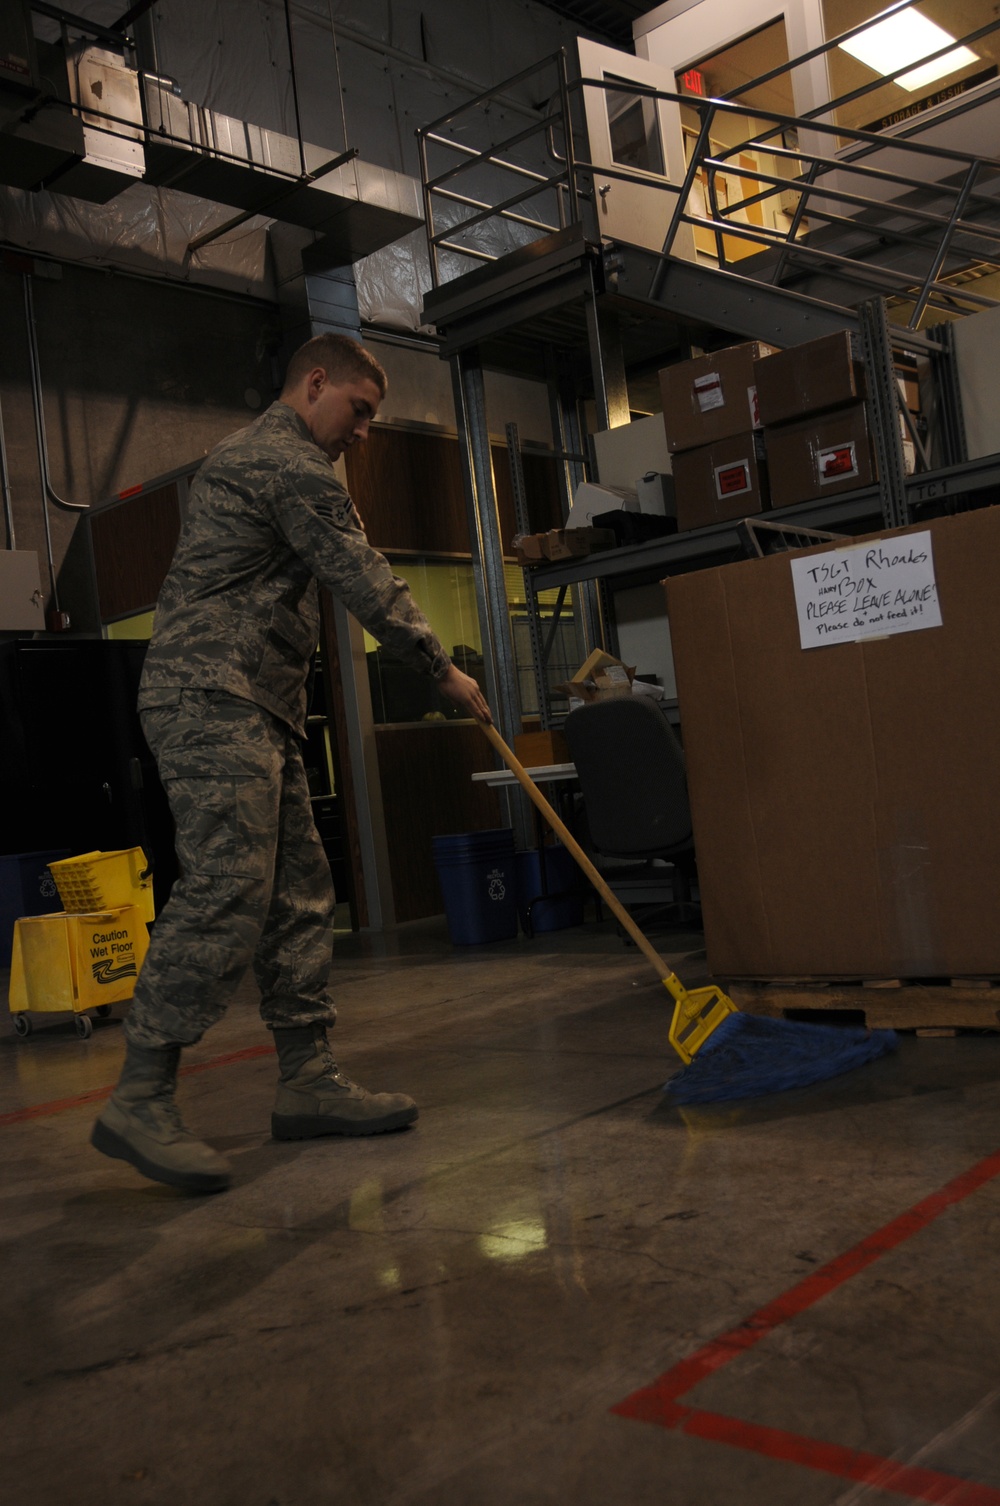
[(635, 129)]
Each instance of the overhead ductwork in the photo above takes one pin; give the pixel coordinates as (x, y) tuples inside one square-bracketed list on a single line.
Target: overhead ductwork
[(359, 206), (108, 107), (77, 119)]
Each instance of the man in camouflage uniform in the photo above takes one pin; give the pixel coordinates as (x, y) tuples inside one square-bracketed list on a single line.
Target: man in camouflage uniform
[(223, 705)]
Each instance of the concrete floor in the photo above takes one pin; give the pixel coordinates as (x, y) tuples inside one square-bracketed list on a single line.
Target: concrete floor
[(451, 1316)]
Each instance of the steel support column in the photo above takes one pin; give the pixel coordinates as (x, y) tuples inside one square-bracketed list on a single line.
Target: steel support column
[(883, 410), (607, 364), (951, 418), (469, 393), (539, 657)]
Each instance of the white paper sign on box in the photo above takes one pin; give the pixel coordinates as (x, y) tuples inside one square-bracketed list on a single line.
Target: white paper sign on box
[(866, 591)]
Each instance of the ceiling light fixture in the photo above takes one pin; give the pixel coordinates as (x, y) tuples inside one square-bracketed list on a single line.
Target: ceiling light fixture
[(905, 37)]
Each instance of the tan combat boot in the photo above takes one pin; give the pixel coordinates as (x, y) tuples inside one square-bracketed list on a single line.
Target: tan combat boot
[(142, 1125), (315, 1098)]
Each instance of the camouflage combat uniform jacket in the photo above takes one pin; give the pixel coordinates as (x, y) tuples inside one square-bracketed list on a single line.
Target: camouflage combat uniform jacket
[(239, 609)]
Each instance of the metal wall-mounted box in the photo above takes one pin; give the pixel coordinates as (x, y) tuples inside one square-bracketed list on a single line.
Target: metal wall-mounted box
[(102, 85), (22, 605)]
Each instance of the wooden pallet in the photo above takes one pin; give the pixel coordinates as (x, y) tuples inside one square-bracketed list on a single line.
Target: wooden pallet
[(889, 1003)]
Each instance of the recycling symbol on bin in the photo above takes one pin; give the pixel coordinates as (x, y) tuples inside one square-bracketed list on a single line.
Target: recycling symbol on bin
[(498, 888)]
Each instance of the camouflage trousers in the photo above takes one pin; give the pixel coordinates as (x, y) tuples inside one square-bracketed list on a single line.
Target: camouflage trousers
[(254, 886)]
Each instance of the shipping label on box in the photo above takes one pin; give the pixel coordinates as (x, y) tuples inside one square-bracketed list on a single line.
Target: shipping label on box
[(733, 479), (867, 590), (708, 392), (836, 463)]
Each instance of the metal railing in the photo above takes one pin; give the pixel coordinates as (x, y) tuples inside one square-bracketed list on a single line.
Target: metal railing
[(560, 184), (945, 215)]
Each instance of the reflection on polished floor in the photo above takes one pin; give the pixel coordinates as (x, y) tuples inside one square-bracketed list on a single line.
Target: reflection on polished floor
[(554, 1289)]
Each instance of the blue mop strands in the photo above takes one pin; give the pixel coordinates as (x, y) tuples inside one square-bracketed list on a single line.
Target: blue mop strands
[(748, 1055)]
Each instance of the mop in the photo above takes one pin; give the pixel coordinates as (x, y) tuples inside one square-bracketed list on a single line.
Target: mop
[(726, 1054)]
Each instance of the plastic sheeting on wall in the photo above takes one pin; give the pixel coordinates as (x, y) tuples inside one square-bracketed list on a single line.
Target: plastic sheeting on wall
[(392, 282), (143, 230)]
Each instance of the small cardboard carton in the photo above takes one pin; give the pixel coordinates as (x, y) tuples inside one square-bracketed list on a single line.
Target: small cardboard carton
[(820, 456), (809, 378), (711, 397), (721, 481), (531, 548), (601, 677), (570, 543)]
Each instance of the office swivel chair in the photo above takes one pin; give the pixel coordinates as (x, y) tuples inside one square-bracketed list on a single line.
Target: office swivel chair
[(631, 771)]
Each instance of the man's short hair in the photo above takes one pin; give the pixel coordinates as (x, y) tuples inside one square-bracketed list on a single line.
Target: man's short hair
[(340, 357)]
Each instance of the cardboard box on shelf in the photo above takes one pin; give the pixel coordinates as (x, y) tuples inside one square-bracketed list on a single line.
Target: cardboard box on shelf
[(601, 677), (536, 749), (809, 378), (531, 548), (846, 809), (720, 481), (711, 397), (820, 456), (570, 543)]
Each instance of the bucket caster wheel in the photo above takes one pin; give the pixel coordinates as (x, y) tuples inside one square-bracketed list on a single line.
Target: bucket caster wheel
[(84, 1026), (22, 1025), (103, 1011)]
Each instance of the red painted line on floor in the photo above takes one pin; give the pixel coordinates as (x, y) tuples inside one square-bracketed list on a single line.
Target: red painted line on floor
[(659, 1403), (97, 1095), (913, 1481)]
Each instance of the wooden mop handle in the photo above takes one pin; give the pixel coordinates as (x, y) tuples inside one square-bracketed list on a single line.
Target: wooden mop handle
[(569, 841)]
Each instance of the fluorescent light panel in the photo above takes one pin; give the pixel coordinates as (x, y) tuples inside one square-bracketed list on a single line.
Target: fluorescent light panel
[(904, 38)]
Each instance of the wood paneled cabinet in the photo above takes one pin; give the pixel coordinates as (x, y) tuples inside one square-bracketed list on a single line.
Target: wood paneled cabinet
[(407, 487)]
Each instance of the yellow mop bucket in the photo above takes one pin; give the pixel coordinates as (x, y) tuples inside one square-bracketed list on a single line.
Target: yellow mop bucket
[(75, 963), (105, 881)]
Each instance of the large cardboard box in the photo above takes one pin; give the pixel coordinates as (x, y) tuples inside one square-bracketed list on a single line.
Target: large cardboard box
[(820, 456), (845, 798), (720, 481), (712, 396), (809, 378)]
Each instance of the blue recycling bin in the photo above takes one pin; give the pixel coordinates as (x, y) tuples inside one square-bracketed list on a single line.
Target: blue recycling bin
[(476, 871)]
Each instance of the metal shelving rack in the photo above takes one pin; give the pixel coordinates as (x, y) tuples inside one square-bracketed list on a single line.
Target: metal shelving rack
[(559, 294)]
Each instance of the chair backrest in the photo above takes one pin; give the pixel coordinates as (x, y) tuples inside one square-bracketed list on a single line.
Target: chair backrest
[(631, 771)]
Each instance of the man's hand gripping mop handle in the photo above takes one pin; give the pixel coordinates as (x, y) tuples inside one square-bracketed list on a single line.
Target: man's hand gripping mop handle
[(697, 1011)]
